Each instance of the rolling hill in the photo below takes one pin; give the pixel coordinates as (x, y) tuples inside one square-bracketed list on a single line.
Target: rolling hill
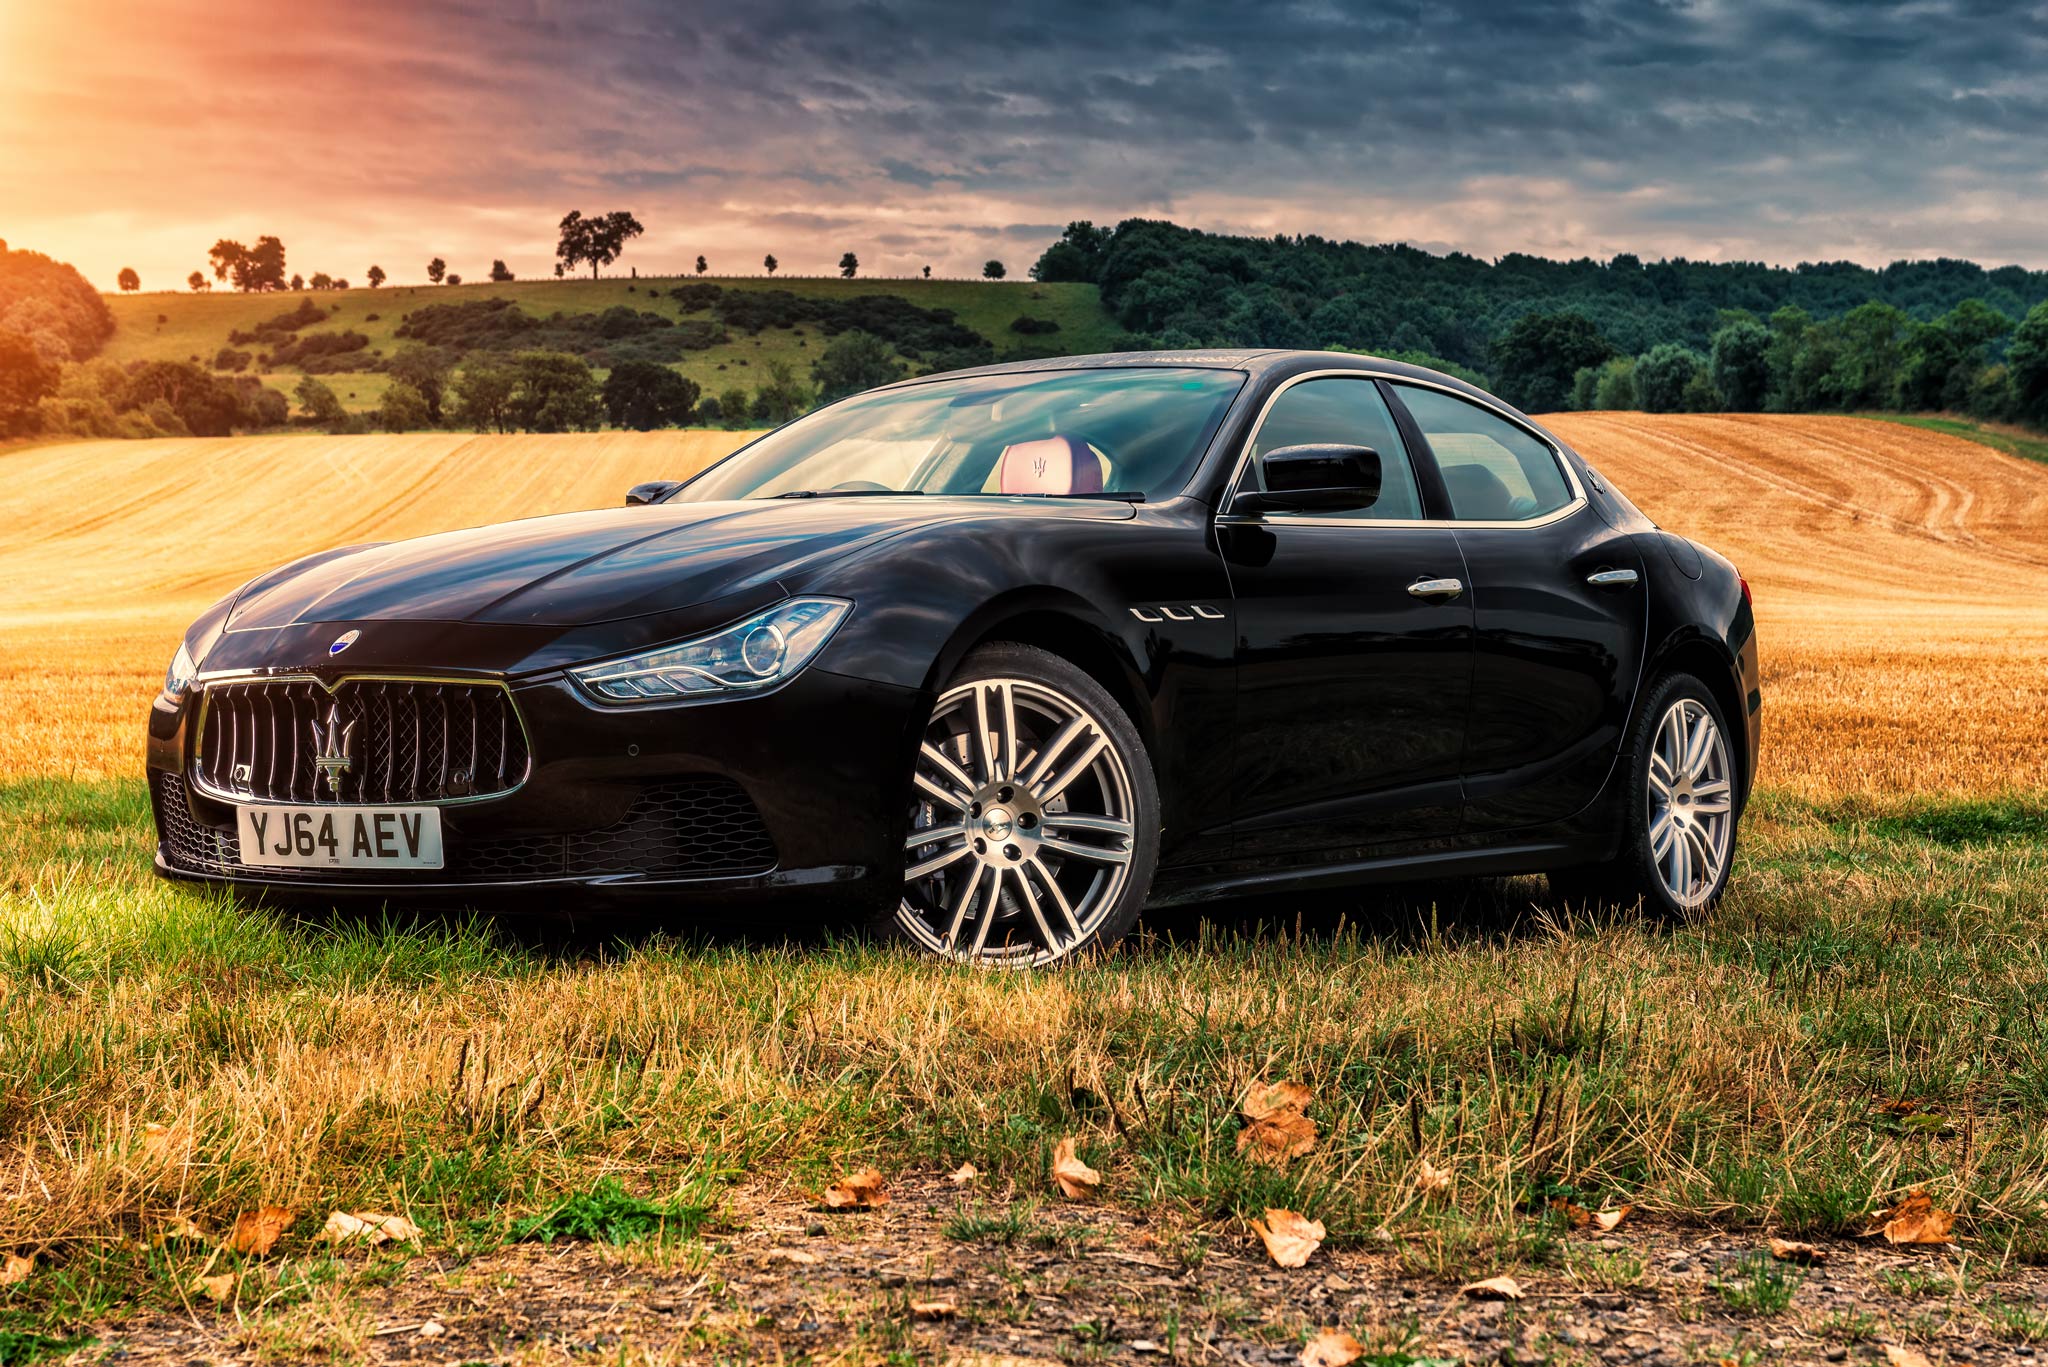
[(1899, 573)]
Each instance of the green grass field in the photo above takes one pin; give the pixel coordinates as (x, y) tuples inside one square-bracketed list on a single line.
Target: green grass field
[(2013, 441), (180, 327)]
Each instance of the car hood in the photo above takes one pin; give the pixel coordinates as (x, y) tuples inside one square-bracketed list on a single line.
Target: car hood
[(575, 569)]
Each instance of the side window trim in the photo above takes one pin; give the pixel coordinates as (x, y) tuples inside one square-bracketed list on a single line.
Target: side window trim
[(1412, 430), (1436, 496)]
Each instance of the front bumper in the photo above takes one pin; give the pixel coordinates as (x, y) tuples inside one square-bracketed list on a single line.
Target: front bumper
[(795, 792)]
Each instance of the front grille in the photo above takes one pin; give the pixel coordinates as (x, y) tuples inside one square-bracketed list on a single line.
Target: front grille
[(279, 740), (702, 826)]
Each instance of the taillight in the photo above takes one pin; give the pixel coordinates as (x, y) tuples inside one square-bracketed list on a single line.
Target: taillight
[(1748, 598)]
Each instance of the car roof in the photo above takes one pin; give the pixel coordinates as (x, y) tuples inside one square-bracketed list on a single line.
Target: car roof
[(1252, 360)]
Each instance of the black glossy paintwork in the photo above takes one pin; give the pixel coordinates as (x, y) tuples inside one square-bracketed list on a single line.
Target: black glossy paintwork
[(1316, 723)]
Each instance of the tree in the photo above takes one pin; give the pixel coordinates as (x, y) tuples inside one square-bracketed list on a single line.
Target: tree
[(198, 282), (2026, 364), (1586, 389), (264, 265), (318, 403), (128, 280), (1076, 256), (1739, 363), (375, 276), (483, 394), (770, 262), (849, 266), (453, 279), (854, 361), (1617, 387), (321, 280), (227, 257), (783, 397), (1535, 359), (500, 272), (1662, 373), (1944, 356), (927, 272), (436, 270), (733, 406), (644, 395), (403, 409), (341, 283), (299, 282), (25, 378), (553, 391), (558, 270), (702, 265), (427, 369), (598, 240), (993, 270)]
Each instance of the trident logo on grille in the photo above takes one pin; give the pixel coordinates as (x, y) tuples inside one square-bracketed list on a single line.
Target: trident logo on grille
[(330, 749)]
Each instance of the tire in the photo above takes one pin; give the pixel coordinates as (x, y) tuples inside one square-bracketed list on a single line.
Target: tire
[(1678, 841), (1065, 841)]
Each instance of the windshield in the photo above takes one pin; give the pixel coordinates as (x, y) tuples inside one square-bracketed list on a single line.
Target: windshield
[(1129, 432)]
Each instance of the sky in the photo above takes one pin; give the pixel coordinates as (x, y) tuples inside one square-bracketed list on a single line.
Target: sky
[(945, 134)]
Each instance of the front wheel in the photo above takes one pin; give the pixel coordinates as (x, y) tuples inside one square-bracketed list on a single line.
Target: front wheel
[(1034, 815), (1679, 841)]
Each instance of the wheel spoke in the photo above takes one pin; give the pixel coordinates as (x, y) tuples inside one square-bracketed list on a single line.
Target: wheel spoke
[(1681, 865), (1009, 720), (1660, 835), (1703, 855), (1050, 752), (1101, 854), (943, 762), (959, 907), (941, 860), (1698, 744), (1045, 933), (938, 792), (991, 903), (921, 836), (1059, 898), (1076, 821), (1073, 771), (984, 744), (1661, 777)]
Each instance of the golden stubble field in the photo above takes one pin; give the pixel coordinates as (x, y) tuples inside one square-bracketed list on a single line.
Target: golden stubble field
[(1901, 575)]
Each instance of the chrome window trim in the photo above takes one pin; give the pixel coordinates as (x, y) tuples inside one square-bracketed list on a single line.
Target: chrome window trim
[(1244, 458), (248, 676)]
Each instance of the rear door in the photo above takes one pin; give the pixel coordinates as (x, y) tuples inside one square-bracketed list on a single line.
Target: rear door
[(1352, 686), (1559, 612)]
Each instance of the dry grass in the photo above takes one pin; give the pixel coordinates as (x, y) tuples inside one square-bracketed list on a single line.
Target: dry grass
[(1901, 579)]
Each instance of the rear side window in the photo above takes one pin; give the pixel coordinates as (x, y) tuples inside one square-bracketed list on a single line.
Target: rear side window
[(1493, 470), (1345, 412)]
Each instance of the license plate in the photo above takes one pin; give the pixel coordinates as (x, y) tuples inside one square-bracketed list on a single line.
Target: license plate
[(340, 837)]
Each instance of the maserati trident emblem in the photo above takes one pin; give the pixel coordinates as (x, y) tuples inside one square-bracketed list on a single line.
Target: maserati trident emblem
[(330, 749), (343, 642)]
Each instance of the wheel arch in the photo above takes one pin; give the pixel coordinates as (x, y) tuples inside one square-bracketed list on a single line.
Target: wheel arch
[(1060, 624)]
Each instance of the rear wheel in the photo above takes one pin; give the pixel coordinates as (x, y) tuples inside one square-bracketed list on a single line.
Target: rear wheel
[(1033, 815), (1679, 843)]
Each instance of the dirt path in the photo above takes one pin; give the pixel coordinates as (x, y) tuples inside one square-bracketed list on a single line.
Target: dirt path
[(1045, 1283)]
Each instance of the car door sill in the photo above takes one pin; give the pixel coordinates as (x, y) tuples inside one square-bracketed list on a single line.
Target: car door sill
[(1497, 861)]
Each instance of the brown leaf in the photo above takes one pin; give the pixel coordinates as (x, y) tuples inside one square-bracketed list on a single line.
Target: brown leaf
[(1897, 1355), (432, 1329), (933, 1310), (1332, 1348), (1915, 1220), (1493, 1289), (963, 1174), (257, 1231), (366, 1228), (1793, 1251), (1275, 1138), (15, 1268), (1272, 1098), (180, 1228), (156, 1141), (215, 1288), (1579, 1216), (792, 1255), (1431, 1179), (1075, 1179), (863, 1190), (1608, 1220), (1289, 1238)]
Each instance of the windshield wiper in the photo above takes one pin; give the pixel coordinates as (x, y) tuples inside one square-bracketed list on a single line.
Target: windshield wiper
[(1113, 495), (848, 493)]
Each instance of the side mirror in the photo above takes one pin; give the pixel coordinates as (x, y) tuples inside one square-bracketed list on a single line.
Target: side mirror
[(1316, 478), (654, 491)]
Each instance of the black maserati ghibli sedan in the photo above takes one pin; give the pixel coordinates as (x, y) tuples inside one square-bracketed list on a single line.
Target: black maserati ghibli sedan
[(999, 658)]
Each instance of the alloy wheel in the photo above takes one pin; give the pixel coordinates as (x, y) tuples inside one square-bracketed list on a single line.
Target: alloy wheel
[(1691, 803), (1021, 826)]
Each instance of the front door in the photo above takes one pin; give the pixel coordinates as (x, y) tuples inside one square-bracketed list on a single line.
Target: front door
[(1354, 652)]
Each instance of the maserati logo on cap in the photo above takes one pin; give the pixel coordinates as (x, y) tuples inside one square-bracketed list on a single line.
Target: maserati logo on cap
[(343, 642)]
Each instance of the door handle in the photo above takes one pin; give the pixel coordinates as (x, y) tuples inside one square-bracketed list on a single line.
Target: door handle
[(1437, 588), (1608, 579)]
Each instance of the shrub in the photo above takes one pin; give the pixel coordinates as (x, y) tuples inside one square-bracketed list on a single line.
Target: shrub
[(227, 358), (404, 409), (735, 407), (26, 379), (643, 396), (553, 392), (1033, 327), (1662, 374), (318, 403)]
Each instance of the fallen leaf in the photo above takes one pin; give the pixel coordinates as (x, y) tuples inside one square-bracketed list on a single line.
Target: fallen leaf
[(215, 1288), (933, 1310), (1493, 1289), (15, 1268), (1431, 1179), (433, 1329), (1275, 1138), (257, 1231), (1075, 1179), (1289, 1237), (1332, 1348), (1578, 1216), (1607, 1220), (180, 1229), (963, 1174), (1273, 1098), (1915, 1220), (366, 1228), (1896, 1355), (863, 1190), (156, 1141), (1793, 1251), (792, 1255)]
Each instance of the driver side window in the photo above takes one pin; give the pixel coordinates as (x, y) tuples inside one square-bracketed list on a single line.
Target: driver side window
[(1349, 412)]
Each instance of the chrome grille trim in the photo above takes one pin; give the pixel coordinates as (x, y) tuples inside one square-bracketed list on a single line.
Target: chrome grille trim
[(415, 733)]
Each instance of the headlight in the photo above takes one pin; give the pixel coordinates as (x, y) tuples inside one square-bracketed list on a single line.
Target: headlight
[(766, 649), (179, 676)]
